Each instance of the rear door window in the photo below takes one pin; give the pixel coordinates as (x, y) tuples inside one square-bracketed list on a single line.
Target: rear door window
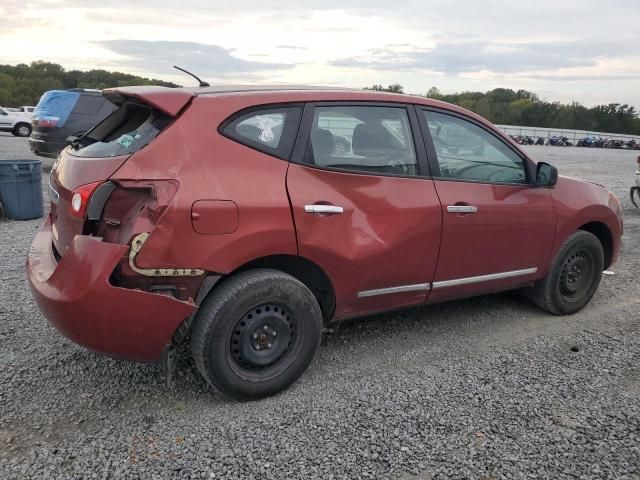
[(269, 130), (366, 139), (130, 128)]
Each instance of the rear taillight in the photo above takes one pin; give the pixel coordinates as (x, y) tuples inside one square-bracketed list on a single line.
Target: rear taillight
[(80, 199), (46, 121)]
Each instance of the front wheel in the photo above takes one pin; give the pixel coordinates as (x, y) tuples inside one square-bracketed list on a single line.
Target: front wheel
[(256, 334), (573, 277)]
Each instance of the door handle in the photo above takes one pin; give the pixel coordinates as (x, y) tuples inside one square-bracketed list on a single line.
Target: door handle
[(462, 209), (323, 209)]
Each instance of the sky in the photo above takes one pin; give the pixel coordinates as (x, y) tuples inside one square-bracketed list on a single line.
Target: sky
[(586, 51)]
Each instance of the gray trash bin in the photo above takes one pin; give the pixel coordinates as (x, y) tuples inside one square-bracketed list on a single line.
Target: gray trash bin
[(21, 188)]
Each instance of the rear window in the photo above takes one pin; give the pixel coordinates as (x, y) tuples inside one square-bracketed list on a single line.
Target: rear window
[(130, 128), (56, 104), (269, 129)]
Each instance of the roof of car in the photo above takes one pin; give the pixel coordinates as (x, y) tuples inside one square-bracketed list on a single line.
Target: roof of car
[(289, 88), (213, 89), (305, 90), (171, 100)]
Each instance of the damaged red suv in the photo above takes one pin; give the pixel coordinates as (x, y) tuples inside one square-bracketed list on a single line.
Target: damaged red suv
[(230, 216)]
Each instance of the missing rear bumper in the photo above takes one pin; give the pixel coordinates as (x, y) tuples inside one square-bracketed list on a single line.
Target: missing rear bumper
[(136, 246)]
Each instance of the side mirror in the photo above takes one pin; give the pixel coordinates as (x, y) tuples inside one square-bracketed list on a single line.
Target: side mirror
[(546, 175)]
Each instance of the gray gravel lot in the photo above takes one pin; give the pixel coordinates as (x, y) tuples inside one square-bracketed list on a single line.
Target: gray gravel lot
[(17, 148), (489, 387)]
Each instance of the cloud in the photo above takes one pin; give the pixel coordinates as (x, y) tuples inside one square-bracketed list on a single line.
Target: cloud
[(585, 78), (206, 60), (291, 47), (456, 45), (453, 58)]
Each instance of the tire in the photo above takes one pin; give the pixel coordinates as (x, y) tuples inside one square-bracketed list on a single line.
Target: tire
[(574, 276), (22, 130), (256, 334)]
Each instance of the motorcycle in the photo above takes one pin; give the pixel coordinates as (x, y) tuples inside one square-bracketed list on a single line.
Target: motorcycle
[(635, 190), (559, 141)]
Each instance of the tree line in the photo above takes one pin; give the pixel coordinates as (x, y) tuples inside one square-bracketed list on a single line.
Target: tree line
[(24, 84), (523, 108)]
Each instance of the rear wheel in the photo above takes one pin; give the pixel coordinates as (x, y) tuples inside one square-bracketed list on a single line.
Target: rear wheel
[(256, 334), (22, 130), (574, 276)]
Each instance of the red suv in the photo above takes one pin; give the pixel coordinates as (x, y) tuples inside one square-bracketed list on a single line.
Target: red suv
[(229, 216)]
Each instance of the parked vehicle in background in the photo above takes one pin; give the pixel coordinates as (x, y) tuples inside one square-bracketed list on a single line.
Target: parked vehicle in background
[(588, 141), (17, 123), (61, 114), (225, 215), (24, 109), (635, 190), (559, 141), (27, 109)]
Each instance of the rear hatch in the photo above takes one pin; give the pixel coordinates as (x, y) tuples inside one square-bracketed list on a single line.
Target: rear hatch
[(83, 169), (53, 110)]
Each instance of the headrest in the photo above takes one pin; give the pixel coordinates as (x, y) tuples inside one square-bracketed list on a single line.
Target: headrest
[(371, 139), (322, 142)]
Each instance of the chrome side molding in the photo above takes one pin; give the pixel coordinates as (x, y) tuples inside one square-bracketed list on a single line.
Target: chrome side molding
[(423, 287), (418, 287), (483, 278)]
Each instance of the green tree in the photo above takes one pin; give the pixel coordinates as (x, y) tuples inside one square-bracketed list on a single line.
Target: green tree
[(506, 106), (24, 84)]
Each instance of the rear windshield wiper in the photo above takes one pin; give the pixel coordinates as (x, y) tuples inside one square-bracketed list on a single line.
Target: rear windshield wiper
[(78, 141)]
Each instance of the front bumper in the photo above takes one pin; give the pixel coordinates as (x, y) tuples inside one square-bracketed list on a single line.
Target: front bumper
[(76, 297)]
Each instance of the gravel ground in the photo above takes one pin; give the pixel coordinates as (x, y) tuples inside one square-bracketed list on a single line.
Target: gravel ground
[(488, 388), (17, 148)]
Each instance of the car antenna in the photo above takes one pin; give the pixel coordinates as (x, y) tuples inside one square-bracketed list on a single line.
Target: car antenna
[(201, 83)]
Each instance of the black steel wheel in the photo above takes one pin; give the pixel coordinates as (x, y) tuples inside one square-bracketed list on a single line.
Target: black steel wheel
[(577, 275), (256, 333), (574, 276), (262, 339)]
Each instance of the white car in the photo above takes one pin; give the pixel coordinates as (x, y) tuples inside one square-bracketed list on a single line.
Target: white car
[(27, 110), (18, 123), (635, 191)]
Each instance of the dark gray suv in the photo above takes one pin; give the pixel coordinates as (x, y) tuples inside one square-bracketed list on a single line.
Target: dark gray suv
[(64, 113)]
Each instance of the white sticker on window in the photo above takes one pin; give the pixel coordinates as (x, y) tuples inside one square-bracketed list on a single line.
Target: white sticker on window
[(266, 124)]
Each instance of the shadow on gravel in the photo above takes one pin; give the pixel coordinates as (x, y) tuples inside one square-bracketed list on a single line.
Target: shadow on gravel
[(450, 328)]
